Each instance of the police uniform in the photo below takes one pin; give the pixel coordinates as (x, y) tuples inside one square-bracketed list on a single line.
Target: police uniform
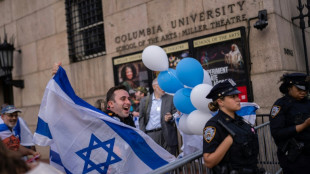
[(127, 120), (287, 112), (242, 155)]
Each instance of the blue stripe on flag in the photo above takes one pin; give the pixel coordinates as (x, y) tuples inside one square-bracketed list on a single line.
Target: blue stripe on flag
[(3, 127), (43, 129), (56, 159), (247, 110), (63, 81), (17, 129), (138, 145), (135, 141)]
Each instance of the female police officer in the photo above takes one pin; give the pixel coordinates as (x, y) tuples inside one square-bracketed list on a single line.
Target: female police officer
[(289, 124), (230, 144)]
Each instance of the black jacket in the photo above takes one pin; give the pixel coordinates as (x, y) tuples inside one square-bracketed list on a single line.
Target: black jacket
[(128, 120)]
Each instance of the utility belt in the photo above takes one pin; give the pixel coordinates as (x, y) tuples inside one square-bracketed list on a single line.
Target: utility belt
[(292, 149), (225, 170), (153, 130)]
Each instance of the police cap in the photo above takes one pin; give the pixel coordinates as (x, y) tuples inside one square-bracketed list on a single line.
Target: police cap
[(297, 79), (222, 89)]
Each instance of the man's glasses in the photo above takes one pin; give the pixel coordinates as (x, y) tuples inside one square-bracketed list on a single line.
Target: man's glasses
[(12, 115)]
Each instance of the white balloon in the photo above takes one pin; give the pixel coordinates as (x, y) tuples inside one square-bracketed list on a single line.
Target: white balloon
[(206, 78), (198, 97), (196, 121), (183, 124), (155, 58)]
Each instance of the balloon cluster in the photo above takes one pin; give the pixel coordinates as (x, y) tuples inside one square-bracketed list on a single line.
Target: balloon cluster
[(189, 84)]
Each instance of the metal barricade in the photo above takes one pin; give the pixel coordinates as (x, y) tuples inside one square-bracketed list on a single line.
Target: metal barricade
[(267, 157), (261, 118), (193, 164)]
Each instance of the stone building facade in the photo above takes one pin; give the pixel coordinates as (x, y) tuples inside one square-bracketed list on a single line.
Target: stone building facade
[(40, 31)]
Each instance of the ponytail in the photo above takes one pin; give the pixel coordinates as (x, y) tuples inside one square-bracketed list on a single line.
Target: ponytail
[(213, 106)]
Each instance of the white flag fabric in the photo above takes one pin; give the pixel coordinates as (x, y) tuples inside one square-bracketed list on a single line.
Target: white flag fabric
[(85, 140), (248, 111), (22, 131)]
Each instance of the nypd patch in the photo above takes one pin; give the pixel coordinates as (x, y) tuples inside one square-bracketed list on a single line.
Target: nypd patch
[(209, 133), (275, 110)]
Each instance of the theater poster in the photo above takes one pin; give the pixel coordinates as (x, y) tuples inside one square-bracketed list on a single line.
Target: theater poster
[(130, 71), (223, 56), (176, 53)]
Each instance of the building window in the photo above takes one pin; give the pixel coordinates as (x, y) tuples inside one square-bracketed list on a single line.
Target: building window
[(85, 27)]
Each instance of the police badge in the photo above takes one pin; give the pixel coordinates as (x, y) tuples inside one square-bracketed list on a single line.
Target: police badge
[(209, 133), (275, 110)]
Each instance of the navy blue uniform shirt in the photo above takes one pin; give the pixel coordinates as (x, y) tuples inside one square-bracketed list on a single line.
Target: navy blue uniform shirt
[(244, 150), (283, 120)]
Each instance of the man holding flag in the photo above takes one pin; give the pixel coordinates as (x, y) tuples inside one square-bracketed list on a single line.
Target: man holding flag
[(14, 133), (85, 140)]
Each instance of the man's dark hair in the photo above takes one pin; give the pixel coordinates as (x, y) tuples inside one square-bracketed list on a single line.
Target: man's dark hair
[(123, 72), (111, 95)]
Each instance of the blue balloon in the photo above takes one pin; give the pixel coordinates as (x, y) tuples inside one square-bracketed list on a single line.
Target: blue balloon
[(182, 101), (168, 81), (190, 72)]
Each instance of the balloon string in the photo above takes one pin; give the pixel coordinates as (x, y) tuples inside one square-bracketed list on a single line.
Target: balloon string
[(170, 73), (187, 87), (177, 78)]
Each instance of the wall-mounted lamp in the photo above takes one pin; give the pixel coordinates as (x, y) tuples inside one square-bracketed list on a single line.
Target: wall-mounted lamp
[(262, 20), (6, 62)]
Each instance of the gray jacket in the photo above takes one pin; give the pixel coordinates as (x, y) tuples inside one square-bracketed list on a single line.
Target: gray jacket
[(168, 128)]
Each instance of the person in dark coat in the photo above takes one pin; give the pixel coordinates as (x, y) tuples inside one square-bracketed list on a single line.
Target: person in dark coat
[(230, 144), (289, 124)]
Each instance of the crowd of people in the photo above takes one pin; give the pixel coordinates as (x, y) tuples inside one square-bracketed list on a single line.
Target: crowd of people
[(230, 144)]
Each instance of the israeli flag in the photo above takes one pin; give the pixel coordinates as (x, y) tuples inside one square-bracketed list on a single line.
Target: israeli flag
[(86, 140), (248, 111)]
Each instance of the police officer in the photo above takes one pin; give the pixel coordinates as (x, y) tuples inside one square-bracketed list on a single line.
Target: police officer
[(289, 124), (230, 144)]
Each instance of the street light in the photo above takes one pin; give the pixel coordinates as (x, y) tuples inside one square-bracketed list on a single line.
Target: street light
[(6, 62)]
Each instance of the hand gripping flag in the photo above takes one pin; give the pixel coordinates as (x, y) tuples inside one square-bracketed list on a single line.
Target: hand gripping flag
[(85, 140)]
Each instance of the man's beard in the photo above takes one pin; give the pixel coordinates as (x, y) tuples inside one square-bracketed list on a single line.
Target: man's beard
[(12, 125)]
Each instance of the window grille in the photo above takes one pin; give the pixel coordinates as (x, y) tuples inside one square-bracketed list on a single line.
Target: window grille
[(85, 27)]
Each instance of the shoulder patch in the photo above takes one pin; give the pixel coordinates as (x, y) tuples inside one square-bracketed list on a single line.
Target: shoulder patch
[(209, 133), (275, 110)]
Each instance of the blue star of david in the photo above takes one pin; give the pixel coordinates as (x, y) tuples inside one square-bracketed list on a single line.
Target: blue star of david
[(95, 143)]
